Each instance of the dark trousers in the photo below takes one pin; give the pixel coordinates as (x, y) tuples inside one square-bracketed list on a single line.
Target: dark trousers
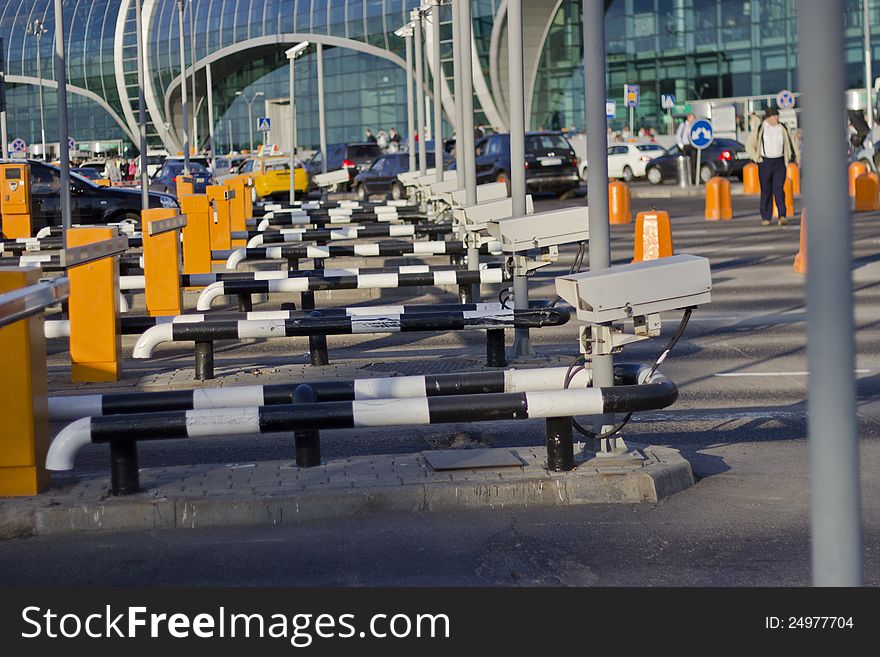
[(771, 173)]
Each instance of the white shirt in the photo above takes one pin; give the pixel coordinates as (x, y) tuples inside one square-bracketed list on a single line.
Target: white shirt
[(772, 140)]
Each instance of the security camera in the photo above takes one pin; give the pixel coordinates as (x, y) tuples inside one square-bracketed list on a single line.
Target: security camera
[(638, 290), (475, 218), (338, 177), (541, 230)]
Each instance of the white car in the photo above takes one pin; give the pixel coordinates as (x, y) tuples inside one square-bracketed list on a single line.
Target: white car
[(628, 161)]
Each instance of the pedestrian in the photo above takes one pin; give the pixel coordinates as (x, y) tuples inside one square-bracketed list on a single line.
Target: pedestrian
[(772, 147), (683, 135), (394, 136), (132, 169), (370, 137), (382, 139)]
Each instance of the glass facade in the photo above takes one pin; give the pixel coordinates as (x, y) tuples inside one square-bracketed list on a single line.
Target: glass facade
[(694, 49)]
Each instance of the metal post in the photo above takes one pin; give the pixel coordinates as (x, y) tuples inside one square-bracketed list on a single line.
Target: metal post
[(292, 129), (184, 107), (318, 354), (196, 105), (204, 359), (410, 118), (307, 443), (250, 126), (322, 123), (142, 108), (438, 91), (495, 356), (124, 476), (420, 90), (61, 79), (833, 429), (560, 447), (521, 341), (597, 182), (466, 147), (209, 81), (869, 76), (37, 29), (456, 77)]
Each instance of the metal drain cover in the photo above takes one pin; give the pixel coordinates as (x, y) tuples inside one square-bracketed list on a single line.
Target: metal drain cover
[(433, 366), (469, 459)]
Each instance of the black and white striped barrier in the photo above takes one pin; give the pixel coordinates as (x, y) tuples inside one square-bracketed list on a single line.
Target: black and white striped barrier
[(52, 262), (31, 245), (73, 407), (137, 324), (354, 232), (642, 391), (317, 282), (387, 249), (205, 334)]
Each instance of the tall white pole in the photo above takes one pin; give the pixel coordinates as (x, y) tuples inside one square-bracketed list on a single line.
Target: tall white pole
[(142, 108), (410, 110), (184, 107), (420, 90), (869, 76), (438, 90), (61, 79), (322, 122), (209, 81), (192, 45), (292, 160)]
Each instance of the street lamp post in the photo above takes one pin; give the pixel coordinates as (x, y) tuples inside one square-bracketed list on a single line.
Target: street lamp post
[(38, 29), (292, 54), (249, 103)]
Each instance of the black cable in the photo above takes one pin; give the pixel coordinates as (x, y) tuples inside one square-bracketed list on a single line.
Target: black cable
[(576, 265), (617, 427)]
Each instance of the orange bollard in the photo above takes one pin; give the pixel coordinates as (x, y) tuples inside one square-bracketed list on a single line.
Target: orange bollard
[(800, 260), (751, 180), (788, 190), (867, 193), (653, 236), (197, 234), (855, 170), (793, 173), (161, 263), (95, 339), (618, 203), (718, 199), (23, 395), (219, 198)]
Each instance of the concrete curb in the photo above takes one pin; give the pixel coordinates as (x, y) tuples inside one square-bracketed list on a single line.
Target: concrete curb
[(83, 506)]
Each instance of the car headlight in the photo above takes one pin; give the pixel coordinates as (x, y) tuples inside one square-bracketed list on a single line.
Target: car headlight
[(167, 202)]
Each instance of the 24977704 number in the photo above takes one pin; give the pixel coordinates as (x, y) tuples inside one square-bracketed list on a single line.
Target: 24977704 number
[(808, 623)]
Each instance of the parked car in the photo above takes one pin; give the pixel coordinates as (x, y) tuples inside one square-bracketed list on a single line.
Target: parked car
[(165, 179), (87, 172), (226, 166), (724, 157), (89, 203), (355, 157), (551, 164), (272, 177), (629, 161), (381, 177)]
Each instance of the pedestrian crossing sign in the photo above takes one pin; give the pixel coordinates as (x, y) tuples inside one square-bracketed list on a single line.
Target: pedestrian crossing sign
[(264, 124)]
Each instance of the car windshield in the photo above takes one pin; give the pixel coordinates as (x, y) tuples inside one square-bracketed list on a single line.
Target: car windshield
[(176, 167), (277, 165), (649, 147), (546, 142)]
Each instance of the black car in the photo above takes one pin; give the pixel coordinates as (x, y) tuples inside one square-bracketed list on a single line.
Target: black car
[(724, 157), (551, 163), (165, 179), (381, 177), (354, 157), (89, 203)]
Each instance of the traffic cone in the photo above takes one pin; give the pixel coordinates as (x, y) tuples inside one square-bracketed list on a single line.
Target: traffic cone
[(718, 199), (653, 237), (619, 203), (800, 260)]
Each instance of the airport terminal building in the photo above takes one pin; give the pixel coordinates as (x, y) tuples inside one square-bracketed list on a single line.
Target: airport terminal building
[(235, 57)]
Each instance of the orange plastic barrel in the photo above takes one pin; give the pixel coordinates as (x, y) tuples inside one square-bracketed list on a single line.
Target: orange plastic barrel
[(718, 204), (751, 180), (855, 170), (653, 236), (793, 173), (867, 193), (619, 203), (788, 189), (800, 260)]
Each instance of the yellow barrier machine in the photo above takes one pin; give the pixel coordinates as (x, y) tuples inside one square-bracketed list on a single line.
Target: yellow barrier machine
[(15, 200)]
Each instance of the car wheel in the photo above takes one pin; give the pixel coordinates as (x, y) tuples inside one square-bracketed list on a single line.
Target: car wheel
[(628, 174), (132, 219), (397, 191), (361, 192), (503, 178), (655, 176), (706, 172), (583, 172)]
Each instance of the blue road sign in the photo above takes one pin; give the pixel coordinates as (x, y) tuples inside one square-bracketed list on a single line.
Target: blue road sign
[(701, 133), (610, 109), (667, 101), (631, 93), (18, 146), (264, 124), (785, 99), (71, 144)]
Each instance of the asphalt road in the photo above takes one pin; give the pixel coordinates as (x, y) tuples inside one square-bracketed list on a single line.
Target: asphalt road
[(740, 419)]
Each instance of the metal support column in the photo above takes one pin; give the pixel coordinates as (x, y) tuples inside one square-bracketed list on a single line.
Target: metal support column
[(184, 106), (468, 172), (420, 90), (142, 108), (438, 90), (869, 75), (521, 341), (460, 161), (833, 428), (292, 162), (322, 125), (209, 80), (195, 103), (63, 132), (597, 181), (4, 132), (410, 111)]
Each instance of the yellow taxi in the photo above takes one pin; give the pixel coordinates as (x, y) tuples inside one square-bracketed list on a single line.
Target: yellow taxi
[(271, 176)]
